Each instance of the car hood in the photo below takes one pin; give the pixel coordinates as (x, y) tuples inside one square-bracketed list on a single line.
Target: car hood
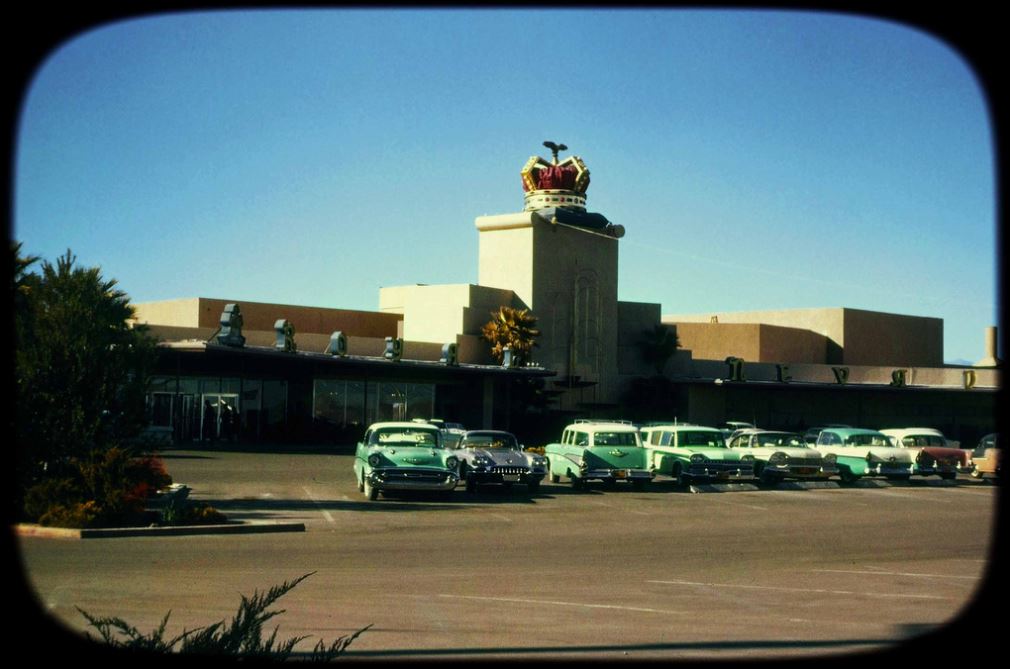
[(878, 453), (944, 453), (798, 452), (499, 456), (409, 456), (710, 452)]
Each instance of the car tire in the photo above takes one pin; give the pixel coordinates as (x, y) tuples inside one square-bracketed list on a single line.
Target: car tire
[(371, 492), (577, 483), (361, 482), (638, 484), (948, 476), (683, 480), (846, 475), (975, 473), (471, 485), (899, 477)]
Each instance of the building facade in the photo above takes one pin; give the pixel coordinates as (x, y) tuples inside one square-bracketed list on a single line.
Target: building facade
[(256, 371)]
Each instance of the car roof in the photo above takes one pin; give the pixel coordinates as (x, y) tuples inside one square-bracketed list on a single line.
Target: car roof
[(684, 426), (847, 431), (404, 424), (912, 430)]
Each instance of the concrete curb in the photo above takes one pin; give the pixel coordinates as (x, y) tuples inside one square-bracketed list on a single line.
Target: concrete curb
[(805, 485), (29, 530), (870, 483), (723, 487)]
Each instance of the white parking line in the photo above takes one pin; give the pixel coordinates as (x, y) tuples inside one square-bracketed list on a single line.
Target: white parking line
[(892, 573), (814, 590), (557, 603), (326, 514)]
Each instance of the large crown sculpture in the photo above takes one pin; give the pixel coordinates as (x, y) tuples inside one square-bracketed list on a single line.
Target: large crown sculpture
[(554, 184), (556, 192)]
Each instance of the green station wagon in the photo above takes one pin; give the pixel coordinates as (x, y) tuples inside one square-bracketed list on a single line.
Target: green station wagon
[(404, 456), (597, 450), (694, 452)]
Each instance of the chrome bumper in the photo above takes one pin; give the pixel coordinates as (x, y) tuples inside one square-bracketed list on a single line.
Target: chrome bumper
[(889, 469), (413, 479), (617, 474), (506, 475), (726, 471)]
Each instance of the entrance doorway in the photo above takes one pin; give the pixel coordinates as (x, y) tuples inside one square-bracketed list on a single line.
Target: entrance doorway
[(219, 417)]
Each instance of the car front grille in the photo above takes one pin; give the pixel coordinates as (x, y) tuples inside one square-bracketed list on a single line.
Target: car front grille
[(413, 475), (509, 470)]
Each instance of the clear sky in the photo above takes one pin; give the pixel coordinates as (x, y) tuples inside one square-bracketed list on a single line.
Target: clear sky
[(758, 160)]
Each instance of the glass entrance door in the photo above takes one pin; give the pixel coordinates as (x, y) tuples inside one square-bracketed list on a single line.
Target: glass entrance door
[(219, 417)]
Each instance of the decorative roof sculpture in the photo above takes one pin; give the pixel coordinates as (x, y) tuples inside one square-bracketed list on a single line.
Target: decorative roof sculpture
[(556, 192), (554, 184)]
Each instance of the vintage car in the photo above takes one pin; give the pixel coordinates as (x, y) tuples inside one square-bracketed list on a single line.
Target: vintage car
[(861, 452), (781, 455), (933, 453), (404, 456), (810, 436), (607, 451), (731, 427), (451, 432), (694, 453), (495, 456), (985, 459)]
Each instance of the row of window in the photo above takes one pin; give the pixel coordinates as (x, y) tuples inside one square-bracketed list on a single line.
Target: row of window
[(212, 408)]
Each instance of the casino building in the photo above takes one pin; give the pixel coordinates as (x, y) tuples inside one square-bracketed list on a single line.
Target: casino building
[(294, 374)]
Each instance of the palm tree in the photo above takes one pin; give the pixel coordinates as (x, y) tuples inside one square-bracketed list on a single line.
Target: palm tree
[(513, 329), (658, 345)]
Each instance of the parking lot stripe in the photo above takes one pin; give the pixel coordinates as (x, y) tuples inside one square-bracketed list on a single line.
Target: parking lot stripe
[(892, 573), (512, 600), (326, 514), (814, 590)]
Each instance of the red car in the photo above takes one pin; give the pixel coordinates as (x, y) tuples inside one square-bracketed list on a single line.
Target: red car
[(934, 455)]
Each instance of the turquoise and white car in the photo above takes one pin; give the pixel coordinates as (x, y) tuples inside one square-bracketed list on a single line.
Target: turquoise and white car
[(862, 453), (605, 451), (781, 455), (404, 456), (692, 453)]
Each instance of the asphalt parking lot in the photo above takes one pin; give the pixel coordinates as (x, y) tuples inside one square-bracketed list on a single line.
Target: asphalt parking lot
[(563, 574)]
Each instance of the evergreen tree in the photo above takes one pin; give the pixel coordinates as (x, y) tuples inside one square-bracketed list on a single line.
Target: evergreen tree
[(80, 369)]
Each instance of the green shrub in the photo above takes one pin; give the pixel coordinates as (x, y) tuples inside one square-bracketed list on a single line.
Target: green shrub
[(109, 488), (78, 515), (191, 513), (243, 637)]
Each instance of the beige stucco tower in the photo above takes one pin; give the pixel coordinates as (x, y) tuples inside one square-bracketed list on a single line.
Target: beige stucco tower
[(562, 263)]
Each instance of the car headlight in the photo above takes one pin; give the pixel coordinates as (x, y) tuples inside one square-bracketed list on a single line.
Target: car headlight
[(539, 462), (481, 461), (830, 458), (451, 462), (374, 459), (697, 457), (747, 457)]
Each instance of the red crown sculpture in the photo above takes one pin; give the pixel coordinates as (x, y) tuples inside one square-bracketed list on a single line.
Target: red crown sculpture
[(554, 184)]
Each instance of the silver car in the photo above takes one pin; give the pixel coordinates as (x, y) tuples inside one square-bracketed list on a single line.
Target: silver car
[(495, 456)]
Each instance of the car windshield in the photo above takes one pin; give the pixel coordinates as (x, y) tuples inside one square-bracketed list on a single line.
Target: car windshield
[(922, 440), (489, 441), (714, 439), (779, 439), (615, 439), (405, 437), (867, 440)]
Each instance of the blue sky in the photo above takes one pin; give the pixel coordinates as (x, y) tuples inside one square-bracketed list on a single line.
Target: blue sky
[(757, 159)]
